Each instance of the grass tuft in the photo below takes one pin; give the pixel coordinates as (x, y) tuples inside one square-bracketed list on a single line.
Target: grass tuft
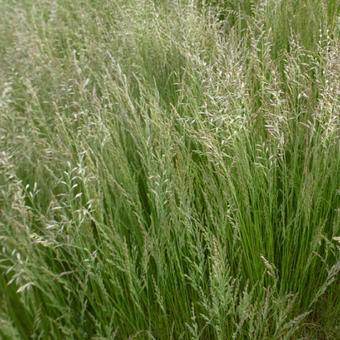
[(169, 169)]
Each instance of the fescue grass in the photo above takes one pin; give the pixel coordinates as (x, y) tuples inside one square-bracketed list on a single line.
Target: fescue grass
[(169, 169)]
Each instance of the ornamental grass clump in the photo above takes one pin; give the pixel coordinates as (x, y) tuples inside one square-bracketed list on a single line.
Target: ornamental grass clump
[(169, 169)]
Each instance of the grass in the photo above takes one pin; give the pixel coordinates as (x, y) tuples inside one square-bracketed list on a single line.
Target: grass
[(169, 169)]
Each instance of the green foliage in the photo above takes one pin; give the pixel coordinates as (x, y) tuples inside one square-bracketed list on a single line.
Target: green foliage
[(169, 169)]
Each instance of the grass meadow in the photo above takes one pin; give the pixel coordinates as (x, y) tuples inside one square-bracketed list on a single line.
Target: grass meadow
[(169, 169)]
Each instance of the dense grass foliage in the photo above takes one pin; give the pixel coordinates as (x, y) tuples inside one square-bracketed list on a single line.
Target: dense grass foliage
[(169, 169)]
